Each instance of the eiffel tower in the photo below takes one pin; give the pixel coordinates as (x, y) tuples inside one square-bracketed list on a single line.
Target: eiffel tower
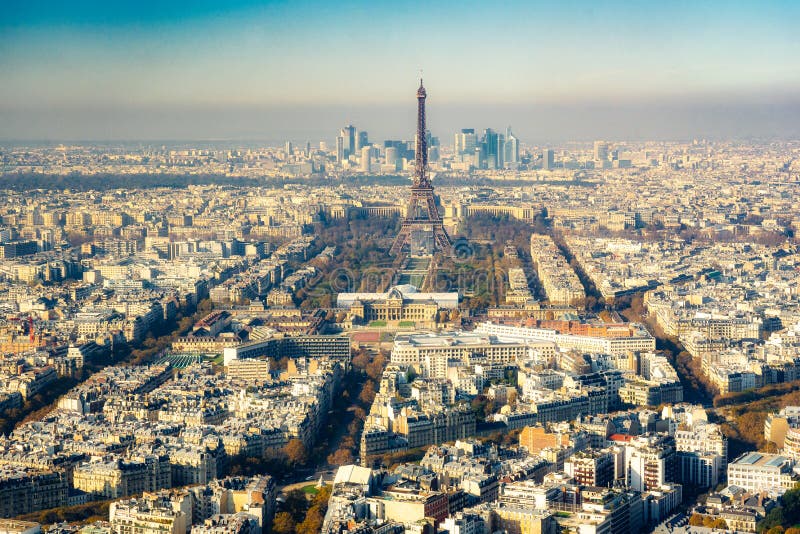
[(422, 232)]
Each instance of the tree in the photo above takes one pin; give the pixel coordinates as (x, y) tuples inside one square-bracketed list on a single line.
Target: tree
[(341, 457), (775, 530), (375, 367), (354, 427), (512, 398), (296, 505), (296, 452), (793, 530), (719, 523), (696, 520), (322, 497), (312, 524), (367, 393), (479, 406), (283, 523), (773, 519), (791, 506), (360, 359)]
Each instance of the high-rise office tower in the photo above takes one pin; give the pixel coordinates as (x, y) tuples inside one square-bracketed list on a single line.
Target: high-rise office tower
[(465, 141), (308, 148), (366, 157), (433, 146), (511, 148), (600, 151), (489, 149), (362, 140), (348, 133), (432, 140), (392, 157), (401, 146), (500, 160), (340, 149), (288, 148), (547, 159)]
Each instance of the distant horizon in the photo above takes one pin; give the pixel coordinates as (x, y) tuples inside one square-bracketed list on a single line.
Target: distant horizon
[(737, 118), (299, 143)]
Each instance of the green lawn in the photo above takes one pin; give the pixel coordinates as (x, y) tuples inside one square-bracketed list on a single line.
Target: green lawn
[(378, 323), (406, 323), (311, 489)]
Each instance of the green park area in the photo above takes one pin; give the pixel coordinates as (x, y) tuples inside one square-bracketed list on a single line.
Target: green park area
[(311, 489)]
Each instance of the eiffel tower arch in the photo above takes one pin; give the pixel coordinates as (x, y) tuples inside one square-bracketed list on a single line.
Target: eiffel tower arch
[(422, 232)]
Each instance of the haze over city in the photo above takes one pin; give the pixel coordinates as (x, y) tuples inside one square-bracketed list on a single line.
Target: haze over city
[(92, 70)]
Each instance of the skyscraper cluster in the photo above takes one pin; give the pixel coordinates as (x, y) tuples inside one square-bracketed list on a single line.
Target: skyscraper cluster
[(351, 142), (346, 143), (493, 151), (606, 157), (354, 150)]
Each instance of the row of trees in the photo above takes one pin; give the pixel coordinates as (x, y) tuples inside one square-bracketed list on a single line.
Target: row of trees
[(298, 514), (696, 387), (479, 275), (361, 262), (778, 529), (502, 229), (356, 400), (85, 513), (338, 441), (38, 404), (30, 181), (698, 520), (744, 415), (594, 299)]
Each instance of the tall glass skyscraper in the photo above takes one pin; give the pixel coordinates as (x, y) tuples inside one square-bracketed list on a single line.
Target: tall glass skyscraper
[(348, 135)]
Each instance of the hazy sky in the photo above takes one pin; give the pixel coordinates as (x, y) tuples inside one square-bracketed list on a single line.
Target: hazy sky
[(554, 70)]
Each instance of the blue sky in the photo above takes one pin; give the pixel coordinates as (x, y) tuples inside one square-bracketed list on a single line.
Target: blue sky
[(148, 69)]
